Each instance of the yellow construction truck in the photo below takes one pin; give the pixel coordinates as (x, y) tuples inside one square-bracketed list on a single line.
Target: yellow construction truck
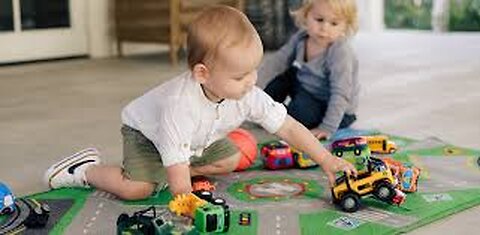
[(377, 180)]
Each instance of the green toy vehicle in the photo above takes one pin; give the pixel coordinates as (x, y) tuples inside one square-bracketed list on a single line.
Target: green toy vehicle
[(148, 222), (354, 150), (214, 216), (138, 224)]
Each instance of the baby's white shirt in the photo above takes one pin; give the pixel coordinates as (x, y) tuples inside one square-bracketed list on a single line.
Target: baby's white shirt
[(181, 122)]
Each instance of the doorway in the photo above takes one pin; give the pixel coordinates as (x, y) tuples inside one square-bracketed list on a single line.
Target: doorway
[(42, 29)]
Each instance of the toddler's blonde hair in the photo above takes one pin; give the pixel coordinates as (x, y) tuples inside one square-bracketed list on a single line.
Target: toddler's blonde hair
[(216, 28), (347, 9)]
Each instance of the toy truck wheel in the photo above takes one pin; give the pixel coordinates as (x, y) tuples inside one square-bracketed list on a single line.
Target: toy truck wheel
[(392, 150), (384, 191), (205, 195), (122, 219), (339, 153), (350, 202), (45, 208), (219, 201), (357, 152)]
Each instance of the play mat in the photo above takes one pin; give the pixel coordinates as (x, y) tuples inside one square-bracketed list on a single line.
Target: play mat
[(295, 201)]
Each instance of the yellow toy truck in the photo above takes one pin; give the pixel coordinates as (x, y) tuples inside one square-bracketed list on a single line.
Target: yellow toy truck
[(381, 144), (377, 180)]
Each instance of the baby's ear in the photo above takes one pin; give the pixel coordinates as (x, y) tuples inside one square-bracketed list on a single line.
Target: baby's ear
[(200, 72)]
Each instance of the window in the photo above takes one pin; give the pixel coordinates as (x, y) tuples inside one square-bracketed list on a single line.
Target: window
[(6, 15)]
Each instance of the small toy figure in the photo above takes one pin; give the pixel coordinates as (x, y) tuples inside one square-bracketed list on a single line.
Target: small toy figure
[(377, 180), (354, 149), (7, 200), (245, 219), (381, 144), (406, 174), (278, 155)]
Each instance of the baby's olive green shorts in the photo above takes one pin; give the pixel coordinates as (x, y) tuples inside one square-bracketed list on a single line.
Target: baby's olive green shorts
[(142, 162)]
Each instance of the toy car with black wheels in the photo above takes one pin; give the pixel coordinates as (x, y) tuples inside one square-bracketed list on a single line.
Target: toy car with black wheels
[(377, 180), (381, 144), (278, 155), (354, 150), (7, 200), (302, 160), (39, 213), (139, 223), (214, 216)]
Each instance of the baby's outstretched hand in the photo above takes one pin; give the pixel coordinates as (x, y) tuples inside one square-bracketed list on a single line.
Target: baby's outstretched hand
[(333, 165), (320, 134)]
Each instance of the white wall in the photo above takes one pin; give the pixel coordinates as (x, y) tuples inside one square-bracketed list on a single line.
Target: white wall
[(371, 15)]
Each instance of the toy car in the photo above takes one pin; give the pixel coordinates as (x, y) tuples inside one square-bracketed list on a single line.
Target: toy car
[(7, 200), (349, 142), (210, 214), (213, 216), (354, 150), (302, 160), (139, 223), (406, 174), (381, 144), (377, 180), (277, 155), (148, 222), (201, 183), (245, 219), (39, 213)]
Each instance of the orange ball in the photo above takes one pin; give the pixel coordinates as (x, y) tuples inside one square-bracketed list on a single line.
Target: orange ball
[(247, 145)]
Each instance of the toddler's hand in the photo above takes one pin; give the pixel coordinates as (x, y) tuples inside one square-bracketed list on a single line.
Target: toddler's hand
[(333, 165), (320, 134)]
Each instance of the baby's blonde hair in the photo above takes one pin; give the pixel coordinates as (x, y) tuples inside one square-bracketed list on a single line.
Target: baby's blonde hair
[(347, 9), (217, 27)]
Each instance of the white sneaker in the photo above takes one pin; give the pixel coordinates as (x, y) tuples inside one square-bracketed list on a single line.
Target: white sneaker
[(70, 171)]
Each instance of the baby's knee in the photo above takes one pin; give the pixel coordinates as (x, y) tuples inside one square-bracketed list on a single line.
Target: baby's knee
[(228, 164), (137, 191)]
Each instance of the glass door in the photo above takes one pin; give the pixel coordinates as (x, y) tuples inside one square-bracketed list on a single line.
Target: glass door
[(41, 29)]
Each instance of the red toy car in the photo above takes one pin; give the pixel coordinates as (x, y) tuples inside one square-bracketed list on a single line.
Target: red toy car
[(278, 155), (201, 183)]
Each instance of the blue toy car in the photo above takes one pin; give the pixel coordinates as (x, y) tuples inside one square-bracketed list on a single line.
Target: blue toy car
[(7, 200)]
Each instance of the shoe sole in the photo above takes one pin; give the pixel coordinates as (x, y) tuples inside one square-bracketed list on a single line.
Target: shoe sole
[(55, 169)]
